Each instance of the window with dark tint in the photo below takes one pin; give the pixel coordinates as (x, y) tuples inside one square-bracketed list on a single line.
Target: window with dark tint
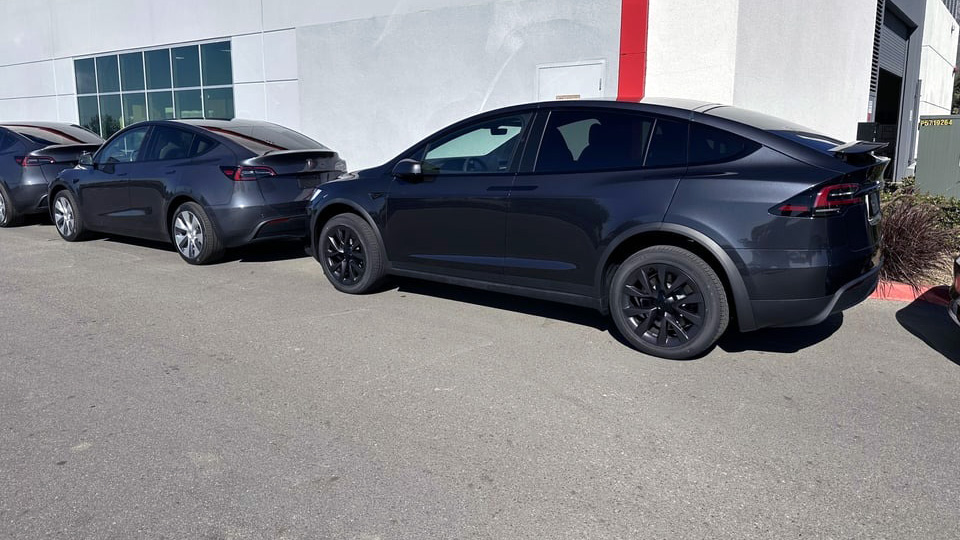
[(169, 143), (157, 69), (131, 71), (593, 140), (218, 103), (86, 74), (6, 141), (712, 145), (189, 103), (111, 114), (186, 66), (89, 110), (217, 67), (108, 74), (160, 105), (485, 148), (262, 139), (668, 144), (124, 148), (48, 136), (134, 108)]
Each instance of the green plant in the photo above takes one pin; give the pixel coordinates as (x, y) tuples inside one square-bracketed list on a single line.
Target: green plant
[(916, 240), (948, 216)]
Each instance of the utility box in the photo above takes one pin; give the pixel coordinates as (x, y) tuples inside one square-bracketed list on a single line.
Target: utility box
[(938, 156)]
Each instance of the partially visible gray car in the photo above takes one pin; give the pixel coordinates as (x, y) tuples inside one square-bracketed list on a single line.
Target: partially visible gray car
[(32, 154)]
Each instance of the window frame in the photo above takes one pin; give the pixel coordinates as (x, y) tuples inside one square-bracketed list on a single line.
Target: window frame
[(462, 128), (530, 165), (101, 129), (116, 136)]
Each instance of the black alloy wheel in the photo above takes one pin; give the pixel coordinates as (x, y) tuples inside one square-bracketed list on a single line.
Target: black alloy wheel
[(350, 253), (668, 302)]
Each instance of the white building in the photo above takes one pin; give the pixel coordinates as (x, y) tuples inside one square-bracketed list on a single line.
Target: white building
[(371, 78)]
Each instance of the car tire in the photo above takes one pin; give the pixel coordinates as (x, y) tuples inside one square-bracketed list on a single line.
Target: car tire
[(65, 213), (194, 235), (350, 254), (668, 302), (9, 217)]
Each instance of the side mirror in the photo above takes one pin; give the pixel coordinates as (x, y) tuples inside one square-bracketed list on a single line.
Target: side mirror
[(408, 169), (86, 159)]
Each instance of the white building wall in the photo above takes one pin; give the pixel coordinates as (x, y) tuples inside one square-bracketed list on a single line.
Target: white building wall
[(940, 37), (692, 49), (373, 87), (808, 62)]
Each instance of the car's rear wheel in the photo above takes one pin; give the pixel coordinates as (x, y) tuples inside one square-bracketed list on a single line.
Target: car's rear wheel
[(194, 236), (668, 302), (9, 217), (66, 217), (350, 254)]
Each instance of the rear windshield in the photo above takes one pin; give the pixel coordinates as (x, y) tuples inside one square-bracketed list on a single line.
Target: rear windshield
[(263, 139), (779, 126), (67, 134)]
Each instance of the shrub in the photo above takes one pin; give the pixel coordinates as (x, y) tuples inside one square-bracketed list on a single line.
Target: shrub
[(916, 240)]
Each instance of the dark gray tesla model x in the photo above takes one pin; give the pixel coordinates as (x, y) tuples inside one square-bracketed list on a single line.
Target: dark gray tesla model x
[(204, 185), (31, 156), (676, 217)]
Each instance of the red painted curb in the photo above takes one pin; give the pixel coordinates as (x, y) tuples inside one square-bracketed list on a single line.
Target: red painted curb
[(901, 292)]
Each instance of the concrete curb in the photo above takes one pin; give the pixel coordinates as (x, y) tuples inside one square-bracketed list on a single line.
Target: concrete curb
[(901, 292)]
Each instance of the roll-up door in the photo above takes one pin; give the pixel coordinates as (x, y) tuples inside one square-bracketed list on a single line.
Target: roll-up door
[(893, 44)]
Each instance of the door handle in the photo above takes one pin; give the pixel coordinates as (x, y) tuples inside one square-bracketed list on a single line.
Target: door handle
[(525, 188), (172, 171), (122, 174), (499, 188)]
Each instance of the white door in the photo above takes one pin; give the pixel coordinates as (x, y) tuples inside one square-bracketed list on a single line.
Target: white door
[(581, 80)]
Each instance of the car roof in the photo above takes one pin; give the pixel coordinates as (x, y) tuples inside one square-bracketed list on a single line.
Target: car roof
[(50, 125)]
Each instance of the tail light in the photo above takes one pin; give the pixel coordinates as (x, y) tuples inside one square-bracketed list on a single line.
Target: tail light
[(34, 161), (241, 174), (820, 201)]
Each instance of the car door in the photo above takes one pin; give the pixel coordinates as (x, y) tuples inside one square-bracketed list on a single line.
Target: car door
[(597, 172), (452, 219), (167, 154), (104, 189)]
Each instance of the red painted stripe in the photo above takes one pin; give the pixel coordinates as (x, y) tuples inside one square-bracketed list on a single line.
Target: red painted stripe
[(634, 21)]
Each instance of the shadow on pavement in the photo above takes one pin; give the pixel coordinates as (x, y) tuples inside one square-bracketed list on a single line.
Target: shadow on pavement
[(781, 340), (267, 251), (519, 304), (932, 324)]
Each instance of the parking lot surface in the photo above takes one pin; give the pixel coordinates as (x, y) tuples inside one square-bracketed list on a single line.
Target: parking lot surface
[(144, 398)]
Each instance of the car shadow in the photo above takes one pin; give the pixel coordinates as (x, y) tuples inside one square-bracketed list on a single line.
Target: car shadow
[(519, 304), (259, 252), (781, 340), (933, 325)]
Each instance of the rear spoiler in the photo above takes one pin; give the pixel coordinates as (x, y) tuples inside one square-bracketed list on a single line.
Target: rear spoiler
[(857, 147), (297, 161), (65, 152)]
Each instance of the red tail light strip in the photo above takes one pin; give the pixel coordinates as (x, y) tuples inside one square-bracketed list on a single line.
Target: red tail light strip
[(242, 174), (34, 161)]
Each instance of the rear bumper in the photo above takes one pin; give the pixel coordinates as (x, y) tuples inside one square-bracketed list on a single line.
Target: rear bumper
[(30, 198), (241, 226), (811, 311)]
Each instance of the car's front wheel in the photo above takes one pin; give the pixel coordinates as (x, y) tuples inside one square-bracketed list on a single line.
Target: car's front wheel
[(350, 254), (194, 236), (66, 216), (668, 302)]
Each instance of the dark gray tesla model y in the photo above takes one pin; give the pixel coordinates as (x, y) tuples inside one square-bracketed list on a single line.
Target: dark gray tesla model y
[(31, 156), (675, 217), (204, 185)]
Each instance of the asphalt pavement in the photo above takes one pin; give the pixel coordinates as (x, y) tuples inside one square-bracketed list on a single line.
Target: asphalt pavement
[(141, 397)]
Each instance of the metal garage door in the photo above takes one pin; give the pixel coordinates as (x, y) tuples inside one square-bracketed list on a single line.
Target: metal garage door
[(893, 44)]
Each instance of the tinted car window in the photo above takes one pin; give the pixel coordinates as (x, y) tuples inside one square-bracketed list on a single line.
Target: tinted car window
[(56, 135), (481, 148), (262, 139), (6, 141), (169, 143), (712, 145), (125, 148), (668, 145), (593, 140)]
